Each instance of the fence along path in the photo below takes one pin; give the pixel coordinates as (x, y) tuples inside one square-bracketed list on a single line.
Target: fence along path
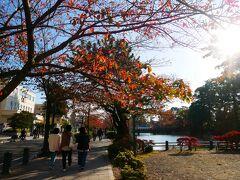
[(206, 144)]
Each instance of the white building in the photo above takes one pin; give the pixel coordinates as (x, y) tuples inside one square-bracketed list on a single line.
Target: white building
[(40, 113), (40, 109), (21, 99)]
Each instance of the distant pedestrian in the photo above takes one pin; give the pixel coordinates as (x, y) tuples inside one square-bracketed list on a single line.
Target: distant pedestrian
[(94, 134), (23, 134), (38, 132), (83, 146), (35, 133), (14, 135), (54, 142), (100, 134), (65, 147)]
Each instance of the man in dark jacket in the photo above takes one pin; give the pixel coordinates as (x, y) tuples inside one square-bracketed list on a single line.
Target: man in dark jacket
[(83, 146)]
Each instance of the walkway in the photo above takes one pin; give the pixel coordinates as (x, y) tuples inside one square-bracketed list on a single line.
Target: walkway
[(97, 167)]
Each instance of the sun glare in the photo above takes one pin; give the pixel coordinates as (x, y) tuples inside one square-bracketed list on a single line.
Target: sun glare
[(228, 41)]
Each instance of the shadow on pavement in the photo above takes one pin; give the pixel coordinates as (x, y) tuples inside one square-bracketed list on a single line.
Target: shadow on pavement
[(38, 169)]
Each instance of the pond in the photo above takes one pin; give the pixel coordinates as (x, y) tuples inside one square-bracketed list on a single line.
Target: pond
[(159, 138)]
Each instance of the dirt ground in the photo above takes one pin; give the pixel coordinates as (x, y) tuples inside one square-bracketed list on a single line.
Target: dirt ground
[(195, 165)]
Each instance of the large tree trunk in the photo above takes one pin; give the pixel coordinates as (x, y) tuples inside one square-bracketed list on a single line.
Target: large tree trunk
[(53, 115), (120, 123)]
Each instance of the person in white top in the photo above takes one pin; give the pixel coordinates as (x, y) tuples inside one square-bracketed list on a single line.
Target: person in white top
[(54, 142)]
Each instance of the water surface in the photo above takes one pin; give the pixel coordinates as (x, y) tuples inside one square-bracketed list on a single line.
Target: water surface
[(158, 138)]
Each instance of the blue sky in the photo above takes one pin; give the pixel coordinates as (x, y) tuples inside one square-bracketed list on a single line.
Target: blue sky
[(186, 64)]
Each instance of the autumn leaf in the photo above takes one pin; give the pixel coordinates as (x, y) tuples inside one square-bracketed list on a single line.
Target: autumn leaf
[(138, 65), (149, 69), (106, 36), (133, 86), (92, 30), (89, 56)]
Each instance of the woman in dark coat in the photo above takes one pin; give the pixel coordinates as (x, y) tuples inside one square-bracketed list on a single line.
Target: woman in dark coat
[(83, 146)]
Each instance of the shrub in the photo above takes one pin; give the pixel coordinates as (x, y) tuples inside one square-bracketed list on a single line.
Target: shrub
[(111, 134), (186, 141), (113, 150), (229, 136), (148, 149), (120, 160), (232, 137), (129, 173), (127, 158), (131, 167)]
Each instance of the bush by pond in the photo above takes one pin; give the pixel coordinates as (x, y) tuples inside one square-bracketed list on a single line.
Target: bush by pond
[(131, 167), (113, 150), (148, 149)]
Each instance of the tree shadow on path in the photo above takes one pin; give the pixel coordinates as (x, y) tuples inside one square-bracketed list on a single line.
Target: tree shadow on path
[(37, 169)]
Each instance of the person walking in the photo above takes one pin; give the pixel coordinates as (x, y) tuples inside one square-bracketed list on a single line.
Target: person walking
[(83, 146), (94, 134), (35, 133), (54, 142), (65, 147), (100, 134), (23, 134)]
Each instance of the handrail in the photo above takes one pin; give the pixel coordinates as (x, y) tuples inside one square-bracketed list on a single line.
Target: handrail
[(164, 145)]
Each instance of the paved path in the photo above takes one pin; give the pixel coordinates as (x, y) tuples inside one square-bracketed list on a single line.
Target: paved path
[(97, 167), (16, 148)]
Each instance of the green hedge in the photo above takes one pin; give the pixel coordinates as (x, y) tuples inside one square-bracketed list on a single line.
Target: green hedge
[(148, 149), (114, 149), (131, 167), (130, 174)]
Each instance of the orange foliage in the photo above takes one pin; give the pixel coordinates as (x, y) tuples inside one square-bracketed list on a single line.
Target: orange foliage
[(167, 118), (123, 80), (96, 122)]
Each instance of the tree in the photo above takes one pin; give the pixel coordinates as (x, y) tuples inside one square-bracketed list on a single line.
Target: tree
[(216, 105), (113, 79), (181, 116), (120, 83), (56, 97), (167, 119), (21, 120), (36, 35), (198, 115), (95, 121), (201, 111)]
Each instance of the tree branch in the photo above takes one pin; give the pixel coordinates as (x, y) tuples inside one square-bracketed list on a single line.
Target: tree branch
[(48, 12)]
